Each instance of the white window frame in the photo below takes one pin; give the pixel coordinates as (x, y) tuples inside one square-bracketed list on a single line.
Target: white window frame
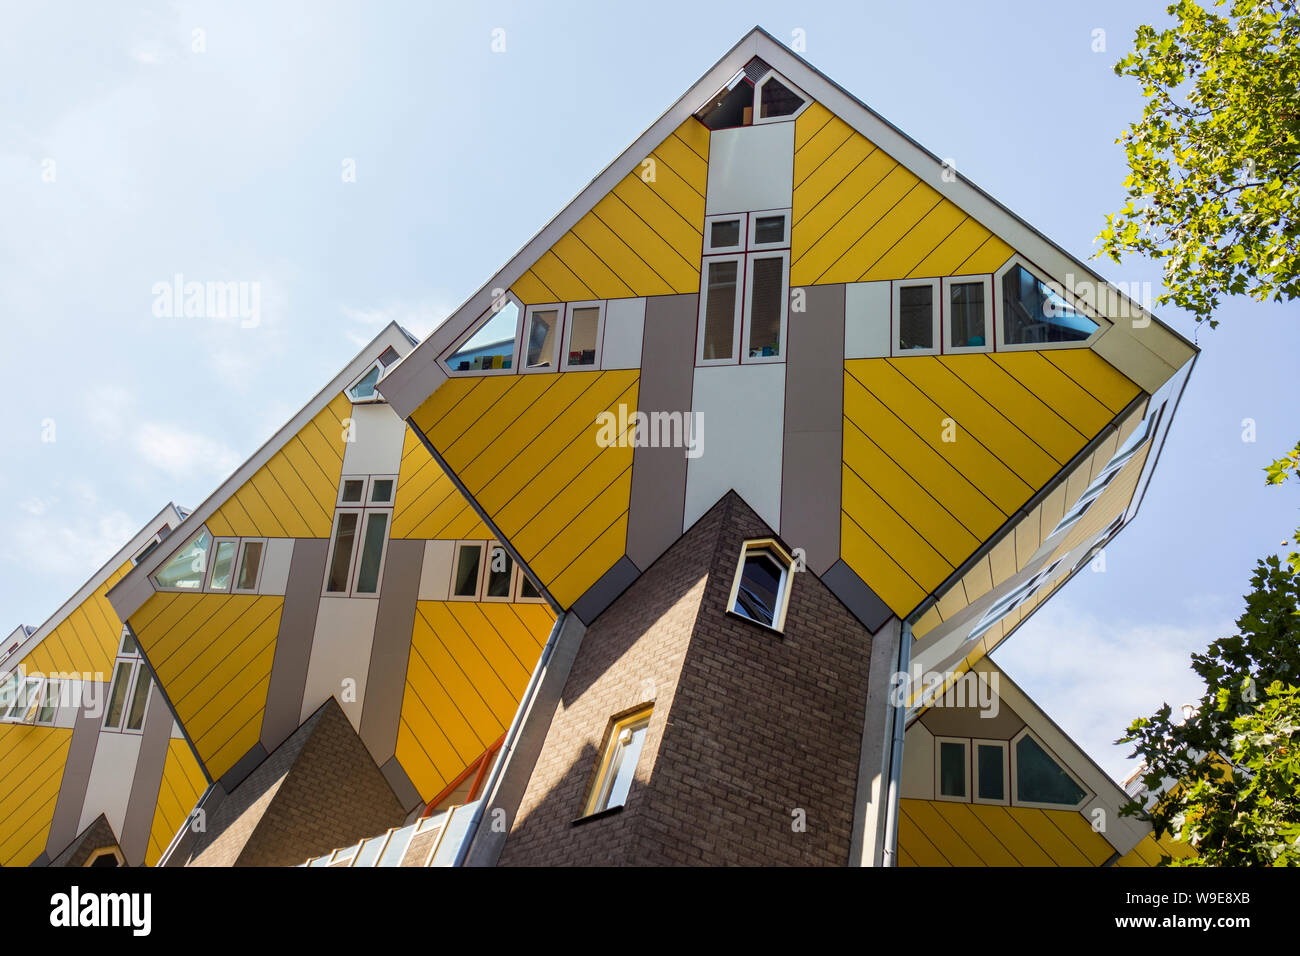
[(486, 573), (521, 340), (365, 490), (752, 243), (212, 566), (782, 557), (1014, 792), (455, 563), (710, 249), (975, 744), (990, 324), (148, 547), (497, 305), (136, 664), (750, 259), (362, 509), (375, 398), (368, 495), (354, 576), (896, 325), (738, 319), (518, 593), (938, 766), (239, 561), (1070, 299), (599, 306), (758, 100), (32, 707)]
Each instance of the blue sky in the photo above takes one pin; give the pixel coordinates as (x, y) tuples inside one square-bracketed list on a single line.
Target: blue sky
[(225, 164)]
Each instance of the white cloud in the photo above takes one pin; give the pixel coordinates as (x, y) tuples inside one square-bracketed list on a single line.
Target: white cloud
[(418, 318), (181, 453), (53, 541)]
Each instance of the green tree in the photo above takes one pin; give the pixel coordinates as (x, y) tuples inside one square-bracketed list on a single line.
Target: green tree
[(1227, 779), (1278, 472)]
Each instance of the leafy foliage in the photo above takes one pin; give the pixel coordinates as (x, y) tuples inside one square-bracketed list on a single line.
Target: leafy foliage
[(1213, 188), (1227, 779), (1278, 472)]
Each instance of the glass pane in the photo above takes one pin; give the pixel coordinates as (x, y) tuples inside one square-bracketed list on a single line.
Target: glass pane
[(352, 488), (222, 564), (396, 848), (382, 491), (49, 703), (139, 698), (18, 702), (341, 561), (9, 692), (128, 643), (365, 388), (543, 328), (117, 694), (765, 307), (372, 549), (989, 761), (760, 583), (916, 317), (1040, 779), (768, 229), (720, 310), (1033, 314), (527, 590), (248, 565), (776, 100), (966, 325), (582, 337), (952, 769), (500, 573), (466, 583), (622, 765), (724, 234), (492, 346), (185, 569)]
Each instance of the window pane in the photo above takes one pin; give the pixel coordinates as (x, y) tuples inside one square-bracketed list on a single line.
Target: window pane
[(760, 584), (248, 565), (466, 583), (724, 234), (765, 307), (1039, 779), (769, 229), (990, 772), (582, 337), (720, 310), (916, 317), (543, 328), (139, 698), (352, 489), (952, 769), (9, 692), (966, 325), (365, 388), (50, 702), (372, 549), (500, 573), (117, 694), (492, 346), (1033, 314), (21, 696), (128, 643), (776, 100), (527, 590), (341, 561), (382, 491), (622, 764), (222, 564), (185, 569)]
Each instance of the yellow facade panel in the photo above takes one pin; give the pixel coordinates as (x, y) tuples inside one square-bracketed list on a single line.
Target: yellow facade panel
[(179, 790), (877, 568), (33, 758)]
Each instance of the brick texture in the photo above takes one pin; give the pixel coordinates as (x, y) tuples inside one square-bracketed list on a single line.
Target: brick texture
[(751, 757)]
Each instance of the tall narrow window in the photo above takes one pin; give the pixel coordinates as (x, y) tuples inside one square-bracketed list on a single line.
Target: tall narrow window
[(250, 563), (117, 694), (617, 768), (916, 318), (345, 536), (952, 756), (465, 572), (541, 341), (967, 315), (223, 564), (766, 314), (500, 574), (582, 337), (761, 589), (49, 702), (721, 309), (372, 550), (990, 771), (139, 699)]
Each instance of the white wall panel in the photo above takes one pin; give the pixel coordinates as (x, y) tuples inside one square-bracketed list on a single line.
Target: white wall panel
[(435, 573), (111, 774), (345, 630), (378, 434), (866, 320), (624, 325), (750, 167)]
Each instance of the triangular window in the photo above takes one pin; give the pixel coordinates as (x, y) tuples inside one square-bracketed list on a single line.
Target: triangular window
[(1040, 779), (492, 346)]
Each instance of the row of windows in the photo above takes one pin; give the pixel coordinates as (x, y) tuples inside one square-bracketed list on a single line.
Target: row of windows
[(497, 578), (560, 336), (979, 771), (29, 700), (754, 96), (219, 565), (744, 288)]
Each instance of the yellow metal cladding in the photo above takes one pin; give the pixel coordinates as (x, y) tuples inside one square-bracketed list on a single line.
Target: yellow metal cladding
[(293, 494), (1150, 851), (33, 759), (942, 833), (643, 238), (526, 447), (86, 640), (428, 505), (939, 451), (860, 216), (468, 667), (213, 653), (182, 785)]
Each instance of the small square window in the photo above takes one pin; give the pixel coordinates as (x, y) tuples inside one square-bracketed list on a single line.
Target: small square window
[(952, 769), (724, 234), (351, 491), (769, 229), (617, 767), (761, 589), (466, 568), (381, 491), (916, 318), (720, 310)]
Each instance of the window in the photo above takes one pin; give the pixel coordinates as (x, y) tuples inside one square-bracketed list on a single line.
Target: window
[(761, 589), (542, 338), (250, 566), (1039, 777), (617, 767), (149, 547), (778, 99), (952, 768), (223, 565), (916, 317), (582, 335), (745, 298), (359, 541), (185, 570), (490, 347), (363, 388), (466, 576), (1034, 314), (525, 591), (990, 766), (1122, 457), (500, 575), (1009, 602), (967, 312), (485, 571), (24, 697), (128, 695), (105, 856)]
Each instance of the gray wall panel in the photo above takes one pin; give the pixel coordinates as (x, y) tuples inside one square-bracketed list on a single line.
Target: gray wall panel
[(76, 777), (134, 838), (381, 711), (293, 641)]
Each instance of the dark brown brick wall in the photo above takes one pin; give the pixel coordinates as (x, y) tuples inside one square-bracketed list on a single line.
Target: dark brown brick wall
[(749, 726)]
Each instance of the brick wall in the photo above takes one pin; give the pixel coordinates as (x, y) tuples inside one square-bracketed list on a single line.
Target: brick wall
[(748, 726)]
